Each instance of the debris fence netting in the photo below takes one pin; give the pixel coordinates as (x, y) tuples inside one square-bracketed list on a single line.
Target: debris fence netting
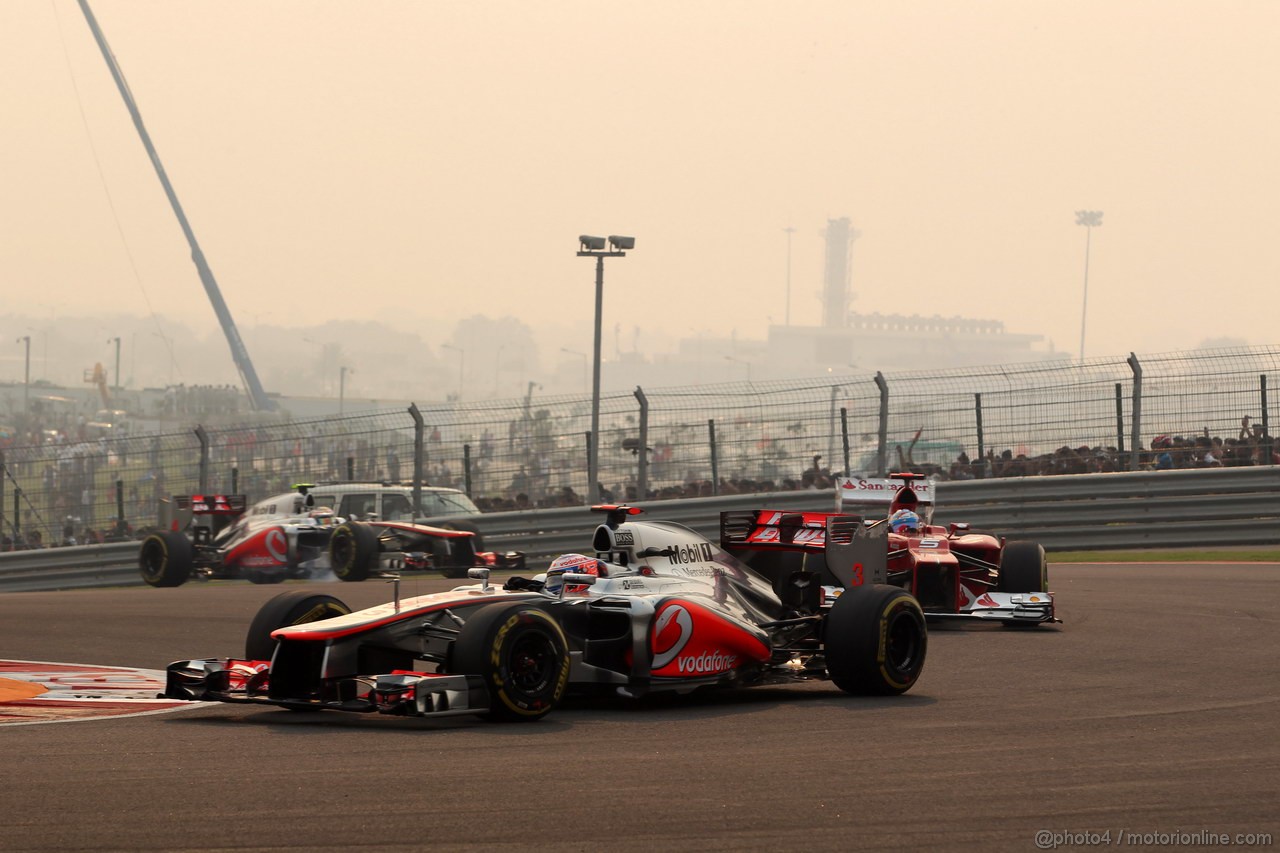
[(1207, 407)]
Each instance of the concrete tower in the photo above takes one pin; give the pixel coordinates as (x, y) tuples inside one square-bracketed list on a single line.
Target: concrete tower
[(836, 293)]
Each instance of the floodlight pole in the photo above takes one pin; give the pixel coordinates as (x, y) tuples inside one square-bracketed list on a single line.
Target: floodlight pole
[(1090, 219), (116, 375), (593, 452), (789, 231), (26, 377)]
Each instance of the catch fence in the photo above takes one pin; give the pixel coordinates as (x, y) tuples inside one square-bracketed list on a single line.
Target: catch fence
[(1038, 418)]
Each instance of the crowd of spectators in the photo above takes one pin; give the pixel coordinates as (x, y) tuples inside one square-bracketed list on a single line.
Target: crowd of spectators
[(68, 477)]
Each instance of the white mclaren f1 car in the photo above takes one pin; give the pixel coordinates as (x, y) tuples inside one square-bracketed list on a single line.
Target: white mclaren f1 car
[(654, 606)]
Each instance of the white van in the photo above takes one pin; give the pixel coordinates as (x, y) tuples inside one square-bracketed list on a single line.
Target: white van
[(390, 502)]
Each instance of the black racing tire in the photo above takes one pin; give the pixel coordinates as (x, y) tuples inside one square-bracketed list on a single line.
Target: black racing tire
[(295, 607), (442, 560), (477, 539), (876, 640), (165, 558), (521, 653), (353, 551), (1023, 568)]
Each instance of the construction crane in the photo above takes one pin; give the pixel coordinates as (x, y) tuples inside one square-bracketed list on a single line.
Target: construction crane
[(98, 377), (257, 396)]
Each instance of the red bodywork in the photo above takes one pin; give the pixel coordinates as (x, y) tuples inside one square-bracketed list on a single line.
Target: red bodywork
[(946, 568)]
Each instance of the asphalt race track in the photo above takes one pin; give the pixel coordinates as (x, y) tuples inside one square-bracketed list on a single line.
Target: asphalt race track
[(1154, 708)]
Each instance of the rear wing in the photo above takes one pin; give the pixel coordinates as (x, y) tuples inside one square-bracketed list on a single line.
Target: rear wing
[(180, 510), (852, 551), (880, 497)]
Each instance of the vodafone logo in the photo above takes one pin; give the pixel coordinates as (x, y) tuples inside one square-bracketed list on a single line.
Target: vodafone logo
[(276, 545), (671, 632), (712, 661)]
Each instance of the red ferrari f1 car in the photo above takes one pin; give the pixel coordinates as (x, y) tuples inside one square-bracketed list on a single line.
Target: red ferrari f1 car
[(954, 572), (655, 607)]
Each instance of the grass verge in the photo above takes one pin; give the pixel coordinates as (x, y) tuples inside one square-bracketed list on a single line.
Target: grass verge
[(1175, 555)]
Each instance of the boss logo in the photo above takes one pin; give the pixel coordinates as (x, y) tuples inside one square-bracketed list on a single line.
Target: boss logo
[(624, 537)]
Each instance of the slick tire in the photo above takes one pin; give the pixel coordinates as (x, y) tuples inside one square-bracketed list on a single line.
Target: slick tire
[(477, 539), (521, 653), (295, 607), (876, 640), (445, 560), (1023, 568), (353, 551), (165, 558)]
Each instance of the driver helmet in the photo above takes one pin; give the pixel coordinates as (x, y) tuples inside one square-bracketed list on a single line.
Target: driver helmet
[(322, 515), (578, 564), (904, 521)]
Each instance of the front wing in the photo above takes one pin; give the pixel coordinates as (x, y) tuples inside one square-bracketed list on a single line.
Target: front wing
[(1024, 608), (1014, 607), (411, 694)]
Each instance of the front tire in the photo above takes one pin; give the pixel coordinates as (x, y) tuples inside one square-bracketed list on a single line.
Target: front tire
[(521, 653), (165, 559), (876, 640), (1023, 568), (295, 607), (353, 551)]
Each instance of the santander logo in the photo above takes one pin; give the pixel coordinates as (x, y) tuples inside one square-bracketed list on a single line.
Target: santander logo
[(671, 632)]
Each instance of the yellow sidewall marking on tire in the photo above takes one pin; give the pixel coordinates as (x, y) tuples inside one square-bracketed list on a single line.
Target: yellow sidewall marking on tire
[(882, 652)]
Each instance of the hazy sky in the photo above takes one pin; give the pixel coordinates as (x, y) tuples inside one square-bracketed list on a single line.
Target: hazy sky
[(417, 162)]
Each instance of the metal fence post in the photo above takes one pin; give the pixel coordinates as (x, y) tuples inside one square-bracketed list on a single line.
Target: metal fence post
[(419, 457), (235, 480), (4, 472), (121, 524), (715, 465), (831, 428), (977, 418), (466, 468), (882, 450), (1135, 436), (642, 463), (844, 434), (1266, 424), (591, 488), (1119, 418), (204, 458)]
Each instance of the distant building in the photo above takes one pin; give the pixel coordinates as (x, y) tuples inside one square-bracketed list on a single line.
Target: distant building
[(901, 342)]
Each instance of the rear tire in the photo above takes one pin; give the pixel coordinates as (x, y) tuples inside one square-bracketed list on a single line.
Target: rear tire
[(477, 539), (1023, 568), (165, 559), (876, 640), (445, 560), (521, 653), (353, 551), (295, 607)]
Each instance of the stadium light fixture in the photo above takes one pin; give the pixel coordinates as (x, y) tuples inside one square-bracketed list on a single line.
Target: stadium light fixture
[(594, 247)]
